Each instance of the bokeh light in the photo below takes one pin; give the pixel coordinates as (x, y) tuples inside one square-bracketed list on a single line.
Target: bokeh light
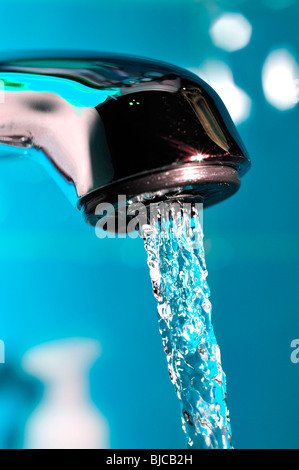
[(280, 79), (232, 31)]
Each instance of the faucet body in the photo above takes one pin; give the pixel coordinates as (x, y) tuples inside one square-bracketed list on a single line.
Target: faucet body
[(113, 125)]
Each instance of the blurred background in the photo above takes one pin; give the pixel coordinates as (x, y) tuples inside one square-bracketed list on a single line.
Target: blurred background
[(78, 318)]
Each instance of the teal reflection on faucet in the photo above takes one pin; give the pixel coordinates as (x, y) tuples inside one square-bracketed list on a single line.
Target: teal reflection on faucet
[(75, 93)]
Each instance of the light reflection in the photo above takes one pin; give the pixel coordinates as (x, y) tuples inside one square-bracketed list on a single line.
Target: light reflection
[(280, 76), (220, 77), (198, 157), (231, 32)]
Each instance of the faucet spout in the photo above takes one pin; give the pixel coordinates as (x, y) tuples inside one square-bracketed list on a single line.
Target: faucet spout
[(113, 125)]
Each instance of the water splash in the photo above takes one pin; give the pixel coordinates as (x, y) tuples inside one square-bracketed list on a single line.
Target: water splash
[(178, 271)]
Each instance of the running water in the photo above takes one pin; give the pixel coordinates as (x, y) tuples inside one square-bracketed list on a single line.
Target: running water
[(178, 271)]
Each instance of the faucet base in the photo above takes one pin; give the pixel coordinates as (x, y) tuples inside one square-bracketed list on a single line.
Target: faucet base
[(207, 184)]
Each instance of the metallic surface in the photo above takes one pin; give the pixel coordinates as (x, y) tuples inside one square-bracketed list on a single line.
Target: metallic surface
[(121, 125)]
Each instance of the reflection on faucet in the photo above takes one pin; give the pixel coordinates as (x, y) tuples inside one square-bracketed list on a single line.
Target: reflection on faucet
[(61, 131), (66, 418)]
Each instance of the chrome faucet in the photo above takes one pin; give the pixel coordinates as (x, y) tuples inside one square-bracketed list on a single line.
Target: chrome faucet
[(111, 125)]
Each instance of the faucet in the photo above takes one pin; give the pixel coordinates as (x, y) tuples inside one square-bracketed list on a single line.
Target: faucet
[(113, 124)]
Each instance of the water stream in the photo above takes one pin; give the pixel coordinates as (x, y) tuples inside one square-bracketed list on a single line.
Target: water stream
[(176, 260)]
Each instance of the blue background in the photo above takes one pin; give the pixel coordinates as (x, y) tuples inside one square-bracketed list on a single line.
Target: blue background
[(57, 280)]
